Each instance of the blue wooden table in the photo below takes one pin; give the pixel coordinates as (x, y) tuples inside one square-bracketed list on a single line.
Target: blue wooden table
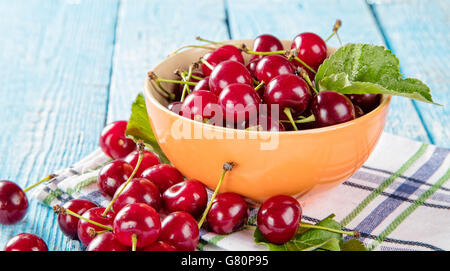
[(69, 67)]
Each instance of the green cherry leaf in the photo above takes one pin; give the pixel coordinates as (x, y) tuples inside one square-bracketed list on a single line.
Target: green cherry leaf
[(308, 239), (139, 128), (352, 245), (366, 68)]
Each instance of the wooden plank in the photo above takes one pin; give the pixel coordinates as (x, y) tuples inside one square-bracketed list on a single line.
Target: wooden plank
[(286, 19), (418, 33), (150, 30), (55, 61)]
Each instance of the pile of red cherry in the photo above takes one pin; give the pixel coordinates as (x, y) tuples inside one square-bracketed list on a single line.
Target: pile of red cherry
[(273, 76), (155, 211)]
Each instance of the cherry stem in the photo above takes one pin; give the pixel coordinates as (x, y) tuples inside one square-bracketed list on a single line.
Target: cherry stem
[(288, 113), (175, 81), (254, 128), (228, 166), (245, 49), (336, 27), (140, 146), (304, 64), (282, 52), (204, 61), (153, 77), (259, 86), (133, 242), (196, 77), (356, 234), (48, 178), (311, 118), (209, 41), (187, 79), (305, 76), (289, 53), (191, 46), (93, 233), (61, 210)]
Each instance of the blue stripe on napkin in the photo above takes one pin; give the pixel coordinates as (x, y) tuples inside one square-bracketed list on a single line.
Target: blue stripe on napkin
[(383, 210)]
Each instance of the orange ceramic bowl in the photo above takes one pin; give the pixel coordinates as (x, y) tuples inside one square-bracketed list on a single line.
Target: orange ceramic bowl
[(299, 163)]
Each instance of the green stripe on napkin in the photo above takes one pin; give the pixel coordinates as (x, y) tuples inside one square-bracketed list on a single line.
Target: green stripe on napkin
[(384, 185)]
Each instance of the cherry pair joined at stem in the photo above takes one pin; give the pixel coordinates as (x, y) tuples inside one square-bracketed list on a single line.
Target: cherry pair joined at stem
[(69, 223), (135, 225), (90, 222)]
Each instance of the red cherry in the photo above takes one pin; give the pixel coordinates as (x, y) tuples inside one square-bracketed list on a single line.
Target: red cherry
[(307, 125), (159, 246), (163, 176), (266, 123), (137, 219), (13, 203), (180, 230), (197, 74), (202, 84), (251, 66), (330, 108), (175, 107), (271, 66), (307, 113), (239, 102), (95, 214), (26, 242), (221, 54), (113, 141), (358, 111), (112, 175), (228, 212), (201, 103), (106, 241), (150, 159), (138, 190), (288, 91), (189, 196), (311, 49), (367, 102), (227, 73), (68, 223), (266, 43), (278, 218)]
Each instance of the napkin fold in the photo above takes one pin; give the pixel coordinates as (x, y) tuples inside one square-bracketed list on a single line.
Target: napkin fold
[(398, 200)]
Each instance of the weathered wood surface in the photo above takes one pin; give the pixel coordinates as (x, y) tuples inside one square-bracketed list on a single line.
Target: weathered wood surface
[(55, 62), (418, 33), (69, 67)]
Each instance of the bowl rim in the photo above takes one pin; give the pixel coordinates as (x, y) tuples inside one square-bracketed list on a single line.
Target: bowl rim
[(385, 101)]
